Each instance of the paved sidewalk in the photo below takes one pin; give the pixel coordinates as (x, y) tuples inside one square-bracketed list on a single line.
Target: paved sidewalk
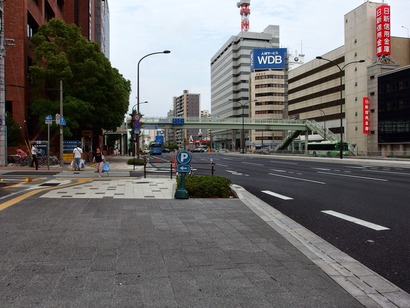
[(121, 241)]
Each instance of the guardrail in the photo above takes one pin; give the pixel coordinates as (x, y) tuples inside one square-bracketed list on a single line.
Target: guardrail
[(170, 168)]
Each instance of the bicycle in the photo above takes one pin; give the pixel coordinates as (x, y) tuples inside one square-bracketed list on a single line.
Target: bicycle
[(190, 173), (23, 161)]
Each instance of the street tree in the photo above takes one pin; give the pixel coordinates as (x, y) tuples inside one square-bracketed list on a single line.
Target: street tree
[(96, 95)]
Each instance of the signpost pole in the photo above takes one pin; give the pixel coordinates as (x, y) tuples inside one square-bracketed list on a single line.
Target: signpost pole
[(48, 146), (183, 158)]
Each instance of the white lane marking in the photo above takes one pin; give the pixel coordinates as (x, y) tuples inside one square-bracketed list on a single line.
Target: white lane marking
[(236, 173), (322, 169), (355, 176), (389, 172), (245, 163), (282, 162), (222, 165), (298, 179), (268, 192), (277, 170), (356, 220)]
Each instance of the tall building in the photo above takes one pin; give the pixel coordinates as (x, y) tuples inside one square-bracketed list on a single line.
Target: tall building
[(269, 102), (102, 26), (21, 21), (230, 73), (186, 105), (321, 91)]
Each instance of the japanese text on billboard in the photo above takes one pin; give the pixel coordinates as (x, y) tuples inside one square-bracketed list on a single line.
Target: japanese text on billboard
[(366, 115), (383, 46)]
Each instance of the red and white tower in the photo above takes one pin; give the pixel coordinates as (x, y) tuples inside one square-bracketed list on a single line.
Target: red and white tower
[(245, 12)]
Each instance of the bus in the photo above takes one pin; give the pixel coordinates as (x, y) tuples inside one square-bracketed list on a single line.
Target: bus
[(327, 148), (155, 148)]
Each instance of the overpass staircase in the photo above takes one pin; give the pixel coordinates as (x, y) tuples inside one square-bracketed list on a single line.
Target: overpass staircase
[(313, 126)]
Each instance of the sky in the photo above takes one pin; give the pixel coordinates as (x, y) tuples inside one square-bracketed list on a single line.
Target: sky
[(195, 30)]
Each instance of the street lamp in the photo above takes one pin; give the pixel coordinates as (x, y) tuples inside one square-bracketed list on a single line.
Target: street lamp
[(341, 69), (243, 123), (243, 127), (324, 121), (408, 35), (138, 89)]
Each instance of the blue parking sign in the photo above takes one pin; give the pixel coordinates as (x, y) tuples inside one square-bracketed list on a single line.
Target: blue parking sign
[(184, 157)]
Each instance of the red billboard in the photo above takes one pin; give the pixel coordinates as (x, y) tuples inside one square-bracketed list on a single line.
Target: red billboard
[(383, 46), (366, 115)]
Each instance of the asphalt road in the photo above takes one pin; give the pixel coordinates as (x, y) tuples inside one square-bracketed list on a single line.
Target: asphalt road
[(375, 199)]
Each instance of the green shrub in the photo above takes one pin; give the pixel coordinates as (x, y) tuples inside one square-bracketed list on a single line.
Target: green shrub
[(136, 161), (207, 186)]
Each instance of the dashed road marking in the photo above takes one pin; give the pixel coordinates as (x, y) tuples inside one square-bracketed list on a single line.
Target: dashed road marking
[(356, 220), (271, 193), (298, 179), (355, 176)]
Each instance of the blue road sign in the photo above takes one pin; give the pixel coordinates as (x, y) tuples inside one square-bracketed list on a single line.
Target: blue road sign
[(183, 168), (137, 124), (178, 121), (62, 121), (184, 157), (49, 119)]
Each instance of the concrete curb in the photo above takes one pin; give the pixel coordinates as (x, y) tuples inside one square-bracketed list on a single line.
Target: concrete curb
[(369, 288)]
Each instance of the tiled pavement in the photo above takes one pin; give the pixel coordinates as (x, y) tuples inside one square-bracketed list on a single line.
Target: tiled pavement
[(117, 189), (132, 245)]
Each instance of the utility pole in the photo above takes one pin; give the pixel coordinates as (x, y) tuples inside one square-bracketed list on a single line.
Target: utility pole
[(61, 126), (3, 127)]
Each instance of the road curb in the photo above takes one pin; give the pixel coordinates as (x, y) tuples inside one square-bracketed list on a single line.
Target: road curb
[(369, 288)]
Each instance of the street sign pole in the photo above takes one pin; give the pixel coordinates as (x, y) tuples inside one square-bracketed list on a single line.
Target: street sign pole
[(183, 158), (48, 146)]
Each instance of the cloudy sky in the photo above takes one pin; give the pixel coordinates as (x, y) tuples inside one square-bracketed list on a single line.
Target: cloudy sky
[(194, 31)]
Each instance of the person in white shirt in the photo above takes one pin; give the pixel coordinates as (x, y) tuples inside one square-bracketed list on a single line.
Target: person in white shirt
[(78, 155), (34, 152)]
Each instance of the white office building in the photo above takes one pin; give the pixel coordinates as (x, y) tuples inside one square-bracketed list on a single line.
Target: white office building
[(230, 73)]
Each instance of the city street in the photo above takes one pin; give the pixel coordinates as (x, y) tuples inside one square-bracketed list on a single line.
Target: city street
[(360, 209)]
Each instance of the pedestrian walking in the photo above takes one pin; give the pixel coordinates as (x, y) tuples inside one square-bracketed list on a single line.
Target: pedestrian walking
[(99, 160), (34, 152), (78, 155)]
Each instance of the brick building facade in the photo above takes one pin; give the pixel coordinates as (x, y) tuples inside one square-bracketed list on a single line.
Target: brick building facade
[(21, 21)]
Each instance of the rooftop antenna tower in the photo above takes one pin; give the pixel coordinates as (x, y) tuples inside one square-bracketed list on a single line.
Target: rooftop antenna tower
[(245, 12)]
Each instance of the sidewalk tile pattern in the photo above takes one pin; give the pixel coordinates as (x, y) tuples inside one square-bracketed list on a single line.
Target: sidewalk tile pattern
[(117, 189), (153, 253)]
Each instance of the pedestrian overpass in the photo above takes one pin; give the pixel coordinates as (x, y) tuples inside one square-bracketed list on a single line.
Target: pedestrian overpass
[(295, 128)]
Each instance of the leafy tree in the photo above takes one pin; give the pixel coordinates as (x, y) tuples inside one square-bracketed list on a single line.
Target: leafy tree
[(13, 132), (96, 95)]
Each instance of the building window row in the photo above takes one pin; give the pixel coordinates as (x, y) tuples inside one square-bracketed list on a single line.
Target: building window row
[(270, 85), (262, 77), (268, 112), (269, 103), (269, 94)]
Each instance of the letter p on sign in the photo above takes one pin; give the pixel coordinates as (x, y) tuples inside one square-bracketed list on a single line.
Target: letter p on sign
[(184, 157)]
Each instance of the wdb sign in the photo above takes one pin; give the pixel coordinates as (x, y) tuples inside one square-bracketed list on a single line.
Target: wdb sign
[(268, 58)]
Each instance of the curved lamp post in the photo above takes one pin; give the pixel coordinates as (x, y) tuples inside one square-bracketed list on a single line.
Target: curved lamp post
[(138, 89), (243, 122), (341, 69), (407, 30)]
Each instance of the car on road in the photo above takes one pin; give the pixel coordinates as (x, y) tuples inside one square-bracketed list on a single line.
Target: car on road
[(199, 150), (263, 151)]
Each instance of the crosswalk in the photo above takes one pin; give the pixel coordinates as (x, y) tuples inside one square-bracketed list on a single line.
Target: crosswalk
[(117, 189)]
